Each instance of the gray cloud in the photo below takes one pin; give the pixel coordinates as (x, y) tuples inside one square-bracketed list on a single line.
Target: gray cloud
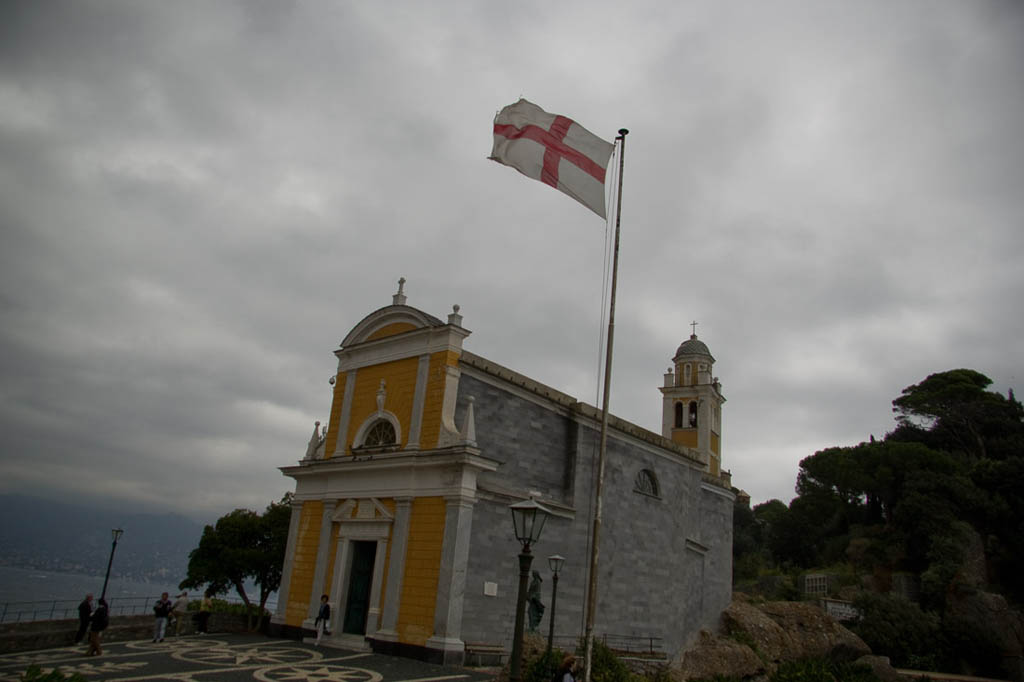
[(198, 201)]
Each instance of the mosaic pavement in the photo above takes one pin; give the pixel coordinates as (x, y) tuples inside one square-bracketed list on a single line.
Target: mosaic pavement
[(233, 658)]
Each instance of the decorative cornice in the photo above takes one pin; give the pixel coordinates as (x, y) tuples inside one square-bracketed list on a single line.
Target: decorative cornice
[(458, 454), (413, 343)]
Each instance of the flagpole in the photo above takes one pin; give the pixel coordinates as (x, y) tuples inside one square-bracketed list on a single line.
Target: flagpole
[(595, 536)]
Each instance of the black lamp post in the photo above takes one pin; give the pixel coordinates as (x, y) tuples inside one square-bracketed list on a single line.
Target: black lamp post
[(116, 533), (528, 517), (555, 564)]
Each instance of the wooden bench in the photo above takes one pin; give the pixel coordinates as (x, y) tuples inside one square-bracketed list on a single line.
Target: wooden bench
[(484, 655)]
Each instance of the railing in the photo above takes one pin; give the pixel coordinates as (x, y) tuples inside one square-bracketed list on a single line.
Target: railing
[(60, 609), (624, 645), (633, 644)]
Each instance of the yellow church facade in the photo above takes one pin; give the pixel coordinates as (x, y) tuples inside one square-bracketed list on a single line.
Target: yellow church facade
[(400, 511)]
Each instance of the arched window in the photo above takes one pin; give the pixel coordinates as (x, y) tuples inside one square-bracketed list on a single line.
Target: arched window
[(647, 483), (693, 415), (686, 374), (380, 433), (679, 415)]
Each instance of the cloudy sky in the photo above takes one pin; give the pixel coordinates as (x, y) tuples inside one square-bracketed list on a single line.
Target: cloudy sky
[(198, 200)]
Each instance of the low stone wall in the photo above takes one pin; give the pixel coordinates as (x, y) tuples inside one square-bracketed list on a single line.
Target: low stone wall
[(48, 634)]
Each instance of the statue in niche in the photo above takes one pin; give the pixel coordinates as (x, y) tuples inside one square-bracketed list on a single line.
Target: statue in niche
[(536, 608)]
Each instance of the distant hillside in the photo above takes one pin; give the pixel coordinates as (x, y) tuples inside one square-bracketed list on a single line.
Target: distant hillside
[(54, 536)]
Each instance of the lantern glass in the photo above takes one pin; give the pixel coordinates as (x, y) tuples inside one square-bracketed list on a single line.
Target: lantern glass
[(555, 563), (528, 518), (116, 534)]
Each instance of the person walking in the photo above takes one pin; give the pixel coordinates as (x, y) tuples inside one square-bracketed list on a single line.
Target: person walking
[(100, 619), (84, 612), (204, 614), (323, 617), (160, 610), (179, 611), (566, 671)]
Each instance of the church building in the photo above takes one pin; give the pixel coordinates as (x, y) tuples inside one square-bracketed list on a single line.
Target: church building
[(401, 506)]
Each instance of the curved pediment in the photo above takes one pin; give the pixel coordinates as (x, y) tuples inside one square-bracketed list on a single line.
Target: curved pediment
[(389, 321)]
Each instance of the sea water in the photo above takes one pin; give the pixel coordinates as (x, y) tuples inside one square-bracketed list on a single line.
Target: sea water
[(38, 595)]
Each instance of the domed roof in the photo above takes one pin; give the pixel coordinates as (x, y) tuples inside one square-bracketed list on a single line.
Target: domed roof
[(693, 346)]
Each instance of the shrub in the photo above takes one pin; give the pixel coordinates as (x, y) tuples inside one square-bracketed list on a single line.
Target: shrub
[(606, 666), (895, 627), (821, 670), (971, 647), (543, 667)]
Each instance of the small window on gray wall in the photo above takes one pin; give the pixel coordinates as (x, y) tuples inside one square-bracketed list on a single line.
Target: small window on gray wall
[(647, 483)]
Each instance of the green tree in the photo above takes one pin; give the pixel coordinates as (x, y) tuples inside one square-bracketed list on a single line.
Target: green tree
[(242, 545), (955, 406)]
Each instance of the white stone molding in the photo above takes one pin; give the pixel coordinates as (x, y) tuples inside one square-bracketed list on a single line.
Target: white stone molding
[(449, 432), (399, 298), (364, 428), (419, 399), (430, 337), (372, 523), (718, 490), (322, 550), (289, 558), (392, 475), (346, 412), (469, 425), (451, 582), (455, 319)]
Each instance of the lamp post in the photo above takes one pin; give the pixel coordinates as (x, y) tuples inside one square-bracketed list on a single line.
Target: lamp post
[(528, 517), (115, 533), (555, 564)]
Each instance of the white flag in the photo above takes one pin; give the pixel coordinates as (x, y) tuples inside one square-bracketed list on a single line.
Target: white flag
[(553, 149)]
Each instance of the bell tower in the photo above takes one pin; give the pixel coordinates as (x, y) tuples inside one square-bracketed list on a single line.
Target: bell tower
[(692, 402)]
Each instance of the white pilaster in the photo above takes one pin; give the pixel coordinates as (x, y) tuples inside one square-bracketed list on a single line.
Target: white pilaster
[(451, 582), (418, 401), (322, 556)]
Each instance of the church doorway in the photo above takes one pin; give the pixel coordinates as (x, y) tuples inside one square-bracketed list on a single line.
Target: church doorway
[(360, 581)]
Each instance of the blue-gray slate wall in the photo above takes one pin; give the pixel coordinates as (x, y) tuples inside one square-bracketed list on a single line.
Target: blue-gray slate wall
[(665, 565)]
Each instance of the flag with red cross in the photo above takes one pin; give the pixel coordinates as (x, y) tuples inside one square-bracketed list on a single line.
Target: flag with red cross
[(553, 149)]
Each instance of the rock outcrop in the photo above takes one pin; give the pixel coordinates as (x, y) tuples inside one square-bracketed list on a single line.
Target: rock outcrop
[(755, 639)]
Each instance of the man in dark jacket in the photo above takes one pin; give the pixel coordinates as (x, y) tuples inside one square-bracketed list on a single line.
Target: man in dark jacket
[(100, 620), (160, 610), (84, 611)]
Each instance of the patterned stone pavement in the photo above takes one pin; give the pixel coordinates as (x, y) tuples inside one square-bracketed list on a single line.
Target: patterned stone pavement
[(231, 658)]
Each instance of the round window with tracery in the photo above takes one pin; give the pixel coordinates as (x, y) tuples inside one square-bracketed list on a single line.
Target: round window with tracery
[(381, 433), (647, 483)]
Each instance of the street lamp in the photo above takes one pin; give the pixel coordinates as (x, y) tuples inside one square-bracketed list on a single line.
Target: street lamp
[(555, 564), (528, 517), (115, 533)]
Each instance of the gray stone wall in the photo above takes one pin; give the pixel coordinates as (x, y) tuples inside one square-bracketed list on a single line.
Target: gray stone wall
[(665, 566), (530, 441)]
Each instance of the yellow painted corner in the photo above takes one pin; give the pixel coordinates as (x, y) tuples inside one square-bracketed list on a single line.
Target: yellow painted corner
[(399, 379), (335, 418), (422, 570), (304, 563)]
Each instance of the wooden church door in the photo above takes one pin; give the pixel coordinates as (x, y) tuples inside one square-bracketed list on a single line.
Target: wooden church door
[(360, 580)]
